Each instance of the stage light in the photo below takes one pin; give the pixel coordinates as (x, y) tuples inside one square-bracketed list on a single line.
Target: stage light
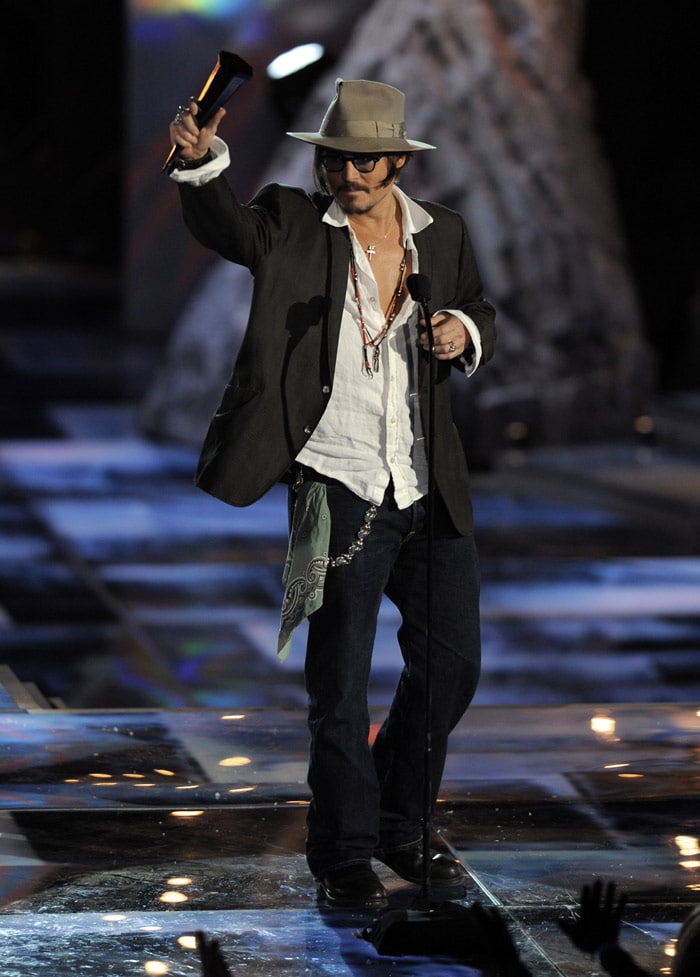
[(296, 59), (292, 75), (173, 898), (687, 844), (156, 967), (603, 724)]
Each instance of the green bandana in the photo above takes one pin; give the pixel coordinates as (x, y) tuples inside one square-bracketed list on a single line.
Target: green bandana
[(307, 561)]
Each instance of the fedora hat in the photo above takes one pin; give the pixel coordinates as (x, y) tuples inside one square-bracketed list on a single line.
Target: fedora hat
[(364, 116)]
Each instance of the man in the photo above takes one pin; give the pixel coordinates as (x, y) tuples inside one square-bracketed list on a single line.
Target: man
[(329, 394)]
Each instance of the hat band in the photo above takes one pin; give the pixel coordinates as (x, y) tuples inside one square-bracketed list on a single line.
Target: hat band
[(372, 129)]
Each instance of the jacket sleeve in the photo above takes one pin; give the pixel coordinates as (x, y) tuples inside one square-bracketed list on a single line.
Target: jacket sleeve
[(447, 257), (473, 303), (241, 233)]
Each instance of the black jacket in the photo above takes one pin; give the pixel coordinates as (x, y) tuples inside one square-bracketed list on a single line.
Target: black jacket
[(283, 374)]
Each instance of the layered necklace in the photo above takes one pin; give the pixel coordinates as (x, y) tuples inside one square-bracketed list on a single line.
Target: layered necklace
[(367, 339)]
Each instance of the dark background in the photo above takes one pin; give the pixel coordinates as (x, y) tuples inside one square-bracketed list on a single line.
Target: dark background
[(65, 181)]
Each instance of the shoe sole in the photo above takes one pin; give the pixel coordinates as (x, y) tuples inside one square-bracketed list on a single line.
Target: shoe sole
[(328, 900), (459, 883)]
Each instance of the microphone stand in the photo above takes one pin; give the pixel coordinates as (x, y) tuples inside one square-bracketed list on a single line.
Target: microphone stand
[(445, 928), (423, 297)]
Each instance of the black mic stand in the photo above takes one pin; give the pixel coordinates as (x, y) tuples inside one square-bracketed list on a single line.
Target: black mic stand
[(431, 929)]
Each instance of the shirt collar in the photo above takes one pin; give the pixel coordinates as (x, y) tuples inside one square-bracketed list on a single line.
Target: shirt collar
[(415, 218)]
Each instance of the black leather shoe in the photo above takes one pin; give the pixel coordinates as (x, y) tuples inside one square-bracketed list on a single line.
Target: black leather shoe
[(407, 863), (354, 886)]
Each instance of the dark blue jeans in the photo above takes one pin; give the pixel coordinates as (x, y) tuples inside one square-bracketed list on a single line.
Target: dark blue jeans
[(363, 797)]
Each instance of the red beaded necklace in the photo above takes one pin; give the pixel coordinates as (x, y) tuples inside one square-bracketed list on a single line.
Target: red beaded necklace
[(376, 341)]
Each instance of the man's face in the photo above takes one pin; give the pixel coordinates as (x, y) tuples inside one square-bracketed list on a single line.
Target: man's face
[(356, 191)]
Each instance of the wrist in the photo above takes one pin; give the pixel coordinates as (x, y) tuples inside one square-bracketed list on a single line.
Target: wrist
[(193, 164)]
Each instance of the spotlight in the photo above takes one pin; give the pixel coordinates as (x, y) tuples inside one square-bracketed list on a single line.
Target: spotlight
[(296, 59), (291, 76)]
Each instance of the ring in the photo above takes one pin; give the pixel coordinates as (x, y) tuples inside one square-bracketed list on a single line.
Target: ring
[(452, 348)]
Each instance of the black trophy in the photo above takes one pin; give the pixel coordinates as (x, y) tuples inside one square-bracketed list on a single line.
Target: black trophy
[(229, 73)]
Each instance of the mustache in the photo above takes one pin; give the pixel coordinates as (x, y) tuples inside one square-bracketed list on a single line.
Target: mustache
[(350, 187)]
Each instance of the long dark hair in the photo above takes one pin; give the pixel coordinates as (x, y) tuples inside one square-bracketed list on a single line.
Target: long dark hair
[(319, 173)]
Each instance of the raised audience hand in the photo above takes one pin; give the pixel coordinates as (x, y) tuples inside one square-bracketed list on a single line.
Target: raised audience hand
[(213, 963), (597, 922), (499, 956)]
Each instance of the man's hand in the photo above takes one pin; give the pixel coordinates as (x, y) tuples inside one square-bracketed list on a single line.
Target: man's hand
[(450, 337), (193, 142)]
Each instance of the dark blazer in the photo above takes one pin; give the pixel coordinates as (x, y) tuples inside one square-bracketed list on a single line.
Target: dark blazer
[(283, 374)]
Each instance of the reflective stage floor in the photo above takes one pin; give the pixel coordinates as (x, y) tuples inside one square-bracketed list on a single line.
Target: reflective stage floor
[(152, 780), (123, 833)]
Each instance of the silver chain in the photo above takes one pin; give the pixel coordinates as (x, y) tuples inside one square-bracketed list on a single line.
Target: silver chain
[(357, 544), (362, 533)]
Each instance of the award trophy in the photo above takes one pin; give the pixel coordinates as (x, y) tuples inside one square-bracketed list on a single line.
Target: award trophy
[(229, 73)]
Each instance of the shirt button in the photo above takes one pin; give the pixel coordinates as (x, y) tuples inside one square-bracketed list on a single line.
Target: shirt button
[(307, 429), (326, 390)]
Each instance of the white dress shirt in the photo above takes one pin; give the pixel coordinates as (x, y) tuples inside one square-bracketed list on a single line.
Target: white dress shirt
[(372, 431)]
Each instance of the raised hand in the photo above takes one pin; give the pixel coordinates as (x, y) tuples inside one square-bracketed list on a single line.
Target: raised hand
[(194, 142), (597, 922), (499, 955), (213, 963)]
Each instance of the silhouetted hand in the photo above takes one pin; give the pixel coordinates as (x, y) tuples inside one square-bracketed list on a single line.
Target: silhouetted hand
[(499, 954), (597, 921), (213, 963)]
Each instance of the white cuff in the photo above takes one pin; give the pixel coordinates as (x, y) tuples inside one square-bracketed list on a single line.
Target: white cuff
[(203, 174)]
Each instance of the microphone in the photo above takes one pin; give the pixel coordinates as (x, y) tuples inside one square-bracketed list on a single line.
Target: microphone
[(419, 288)]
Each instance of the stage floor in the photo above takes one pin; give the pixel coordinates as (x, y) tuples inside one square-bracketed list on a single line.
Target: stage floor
[(152, 780), (125, 832)]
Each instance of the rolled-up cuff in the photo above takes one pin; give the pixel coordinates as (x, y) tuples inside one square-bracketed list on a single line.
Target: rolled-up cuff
[(203, 174)]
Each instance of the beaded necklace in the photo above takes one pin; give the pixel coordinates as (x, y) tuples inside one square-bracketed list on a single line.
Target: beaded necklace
[(376, 341)]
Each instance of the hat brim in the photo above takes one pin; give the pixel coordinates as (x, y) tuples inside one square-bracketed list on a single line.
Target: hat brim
[(357, 144)]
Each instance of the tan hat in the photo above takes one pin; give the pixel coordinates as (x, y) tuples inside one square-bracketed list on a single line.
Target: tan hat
[(364, 116)]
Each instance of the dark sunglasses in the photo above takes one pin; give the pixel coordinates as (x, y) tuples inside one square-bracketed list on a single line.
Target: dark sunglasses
[(335, 162)]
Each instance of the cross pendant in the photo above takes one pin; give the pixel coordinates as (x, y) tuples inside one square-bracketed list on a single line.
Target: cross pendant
[(370, 251)]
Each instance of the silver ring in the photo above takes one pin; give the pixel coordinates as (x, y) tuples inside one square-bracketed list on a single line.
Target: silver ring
[(452, 348)]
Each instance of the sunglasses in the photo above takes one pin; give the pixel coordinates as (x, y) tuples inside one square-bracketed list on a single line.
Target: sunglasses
[(335, 162)]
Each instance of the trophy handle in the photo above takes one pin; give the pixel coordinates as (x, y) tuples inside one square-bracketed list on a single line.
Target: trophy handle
[(229, 73)]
